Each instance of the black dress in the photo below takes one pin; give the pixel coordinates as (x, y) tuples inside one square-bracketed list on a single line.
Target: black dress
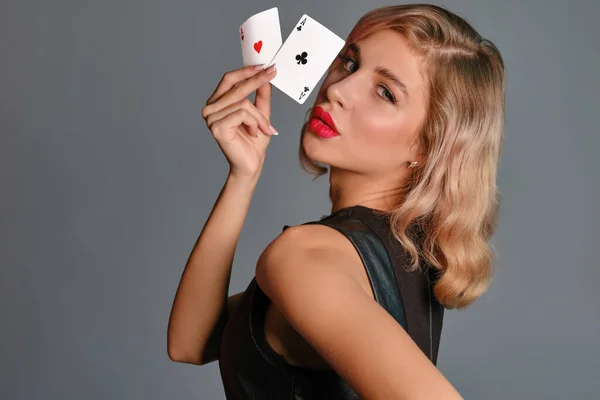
[(251, 369)]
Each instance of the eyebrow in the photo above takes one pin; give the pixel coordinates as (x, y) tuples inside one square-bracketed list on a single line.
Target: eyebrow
[(384, 72)]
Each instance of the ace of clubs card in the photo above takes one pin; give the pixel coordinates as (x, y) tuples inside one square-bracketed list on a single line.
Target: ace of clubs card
[(304, 57)]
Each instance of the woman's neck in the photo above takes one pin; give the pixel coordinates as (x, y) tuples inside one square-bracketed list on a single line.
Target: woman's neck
[(349, 189)]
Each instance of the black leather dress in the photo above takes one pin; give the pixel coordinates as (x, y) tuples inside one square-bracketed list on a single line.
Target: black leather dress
[(251, 369)]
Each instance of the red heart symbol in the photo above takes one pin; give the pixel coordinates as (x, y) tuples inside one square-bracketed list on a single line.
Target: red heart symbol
[(258, 46)]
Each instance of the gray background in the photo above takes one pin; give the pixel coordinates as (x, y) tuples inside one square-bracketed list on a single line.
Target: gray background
[(108, 173)]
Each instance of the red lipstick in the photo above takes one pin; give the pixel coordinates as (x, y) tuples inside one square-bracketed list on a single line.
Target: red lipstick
[(322, 123)]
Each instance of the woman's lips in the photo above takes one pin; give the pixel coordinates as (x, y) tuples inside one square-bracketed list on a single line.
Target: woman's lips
[(323, 115), (320, 128), (322, 123)]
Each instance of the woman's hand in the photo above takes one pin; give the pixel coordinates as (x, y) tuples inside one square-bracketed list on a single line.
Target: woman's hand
[(242, 129)]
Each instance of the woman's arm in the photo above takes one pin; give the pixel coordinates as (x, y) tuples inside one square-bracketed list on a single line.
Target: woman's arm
[(200, 308), (312, 274)]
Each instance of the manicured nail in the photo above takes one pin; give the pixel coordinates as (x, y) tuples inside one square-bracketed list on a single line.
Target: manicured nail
[(273, 131), (258, 66), (271, 69)]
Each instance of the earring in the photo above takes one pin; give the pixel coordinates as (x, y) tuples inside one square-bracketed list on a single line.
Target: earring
[(412, 164)]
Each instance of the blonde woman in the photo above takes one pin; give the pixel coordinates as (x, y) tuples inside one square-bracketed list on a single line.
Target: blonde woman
[(409, 125)]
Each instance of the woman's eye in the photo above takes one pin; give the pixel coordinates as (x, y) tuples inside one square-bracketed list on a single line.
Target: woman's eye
[(348, 61), (386, 94)]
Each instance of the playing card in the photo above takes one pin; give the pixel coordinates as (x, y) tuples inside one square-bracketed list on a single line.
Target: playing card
[(260, 37), (304, 57)]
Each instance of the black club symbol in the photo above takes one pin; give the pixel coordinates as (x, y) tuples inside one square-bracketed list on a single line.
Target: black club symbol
[(301, 58), (306, 88)]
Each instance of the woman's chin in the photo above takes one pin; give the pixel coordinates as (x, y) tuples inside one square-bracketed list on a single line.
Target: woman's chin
[(314, 149)]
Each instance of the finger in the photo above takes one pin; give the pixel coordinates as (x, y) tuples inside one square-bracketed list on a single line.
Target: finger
[(231, 78), (241, 90), (263, 122), (223, 128), (263, 99), (251, 129)]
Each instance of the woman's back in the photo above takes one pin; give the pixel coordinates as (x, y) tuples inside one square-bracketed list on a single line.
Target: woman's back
[(254, 346)]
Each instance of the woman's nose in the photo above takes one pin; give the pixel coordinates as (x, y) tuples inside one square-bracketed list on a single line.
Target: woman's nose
[(342, 91)]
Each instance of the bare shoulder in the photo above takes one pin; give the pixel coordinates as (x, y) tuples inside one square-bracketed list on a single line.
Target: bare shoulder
[(311, 235), (316, 248)]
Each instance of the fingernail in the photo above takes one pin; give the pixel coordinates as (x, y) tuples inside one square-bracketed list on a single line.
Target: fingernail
[(273, 131), (271, 69), (259, 66)]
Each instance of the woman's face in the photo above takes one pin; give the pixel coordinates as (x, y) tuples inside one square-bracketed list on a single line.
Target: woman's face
[(376, 99)]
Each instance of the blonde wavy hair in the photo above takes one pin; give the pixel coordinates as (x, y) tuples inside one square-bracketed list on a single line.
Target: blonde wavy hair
[(450, 202)]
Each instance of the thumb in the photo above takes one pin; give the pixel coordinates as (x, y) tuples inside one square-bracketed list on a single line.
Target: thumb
[(262, 100)]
